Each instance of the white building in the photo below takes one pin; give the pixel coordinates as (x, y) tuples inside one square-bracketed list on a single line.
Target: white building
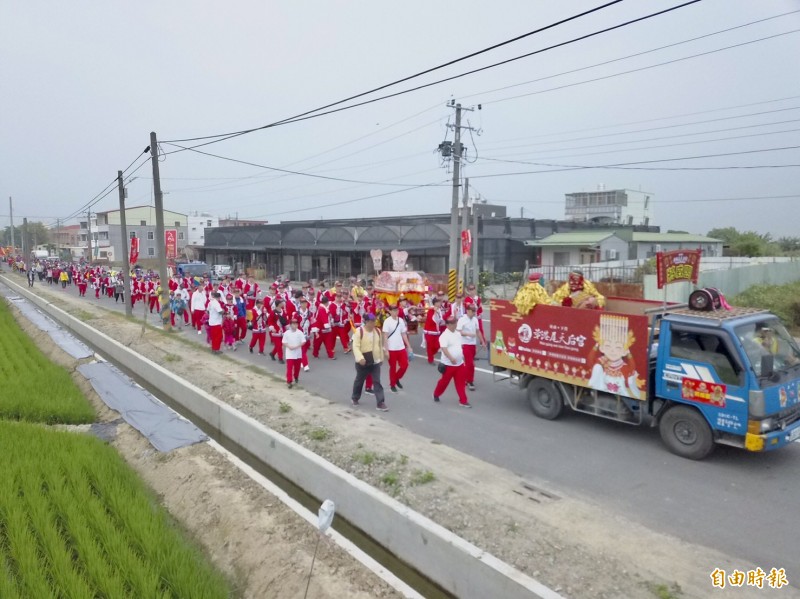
[(612, 207), (198, 223)]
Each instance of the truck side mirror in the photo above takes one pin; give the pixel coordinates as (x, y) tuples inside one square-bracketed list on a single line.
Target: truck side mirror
[(767, 365)]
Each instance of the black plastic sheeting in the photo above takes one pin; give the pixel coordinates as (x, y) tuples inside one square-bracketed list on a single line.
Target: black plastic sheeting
[(164, 428)]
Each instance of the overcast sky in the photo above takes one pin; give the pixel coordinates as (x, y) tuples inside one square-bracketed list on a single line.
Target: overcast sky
[(83, 84)]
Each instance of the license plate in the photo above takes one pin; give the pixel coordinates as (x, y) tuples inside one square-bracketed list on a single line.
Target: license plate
[(794, 435)]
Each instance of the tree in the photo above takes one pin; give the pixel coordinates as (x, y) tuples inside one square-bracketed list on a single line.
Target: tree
[(747, 243), (37, 234)]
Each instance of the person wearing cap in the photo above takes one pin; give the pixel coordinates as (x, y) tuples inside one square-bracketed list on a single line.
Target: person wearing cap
[(395, 340), (229, 322), (469, 327), (450, 343), (293, 341), (340, 321), (259, 324), (305, 317), (215, 315), (368, 353)]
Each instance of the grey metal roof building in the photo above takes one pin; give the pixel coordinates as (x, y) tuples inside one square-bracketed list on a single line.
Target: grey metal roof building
[(340, 248)]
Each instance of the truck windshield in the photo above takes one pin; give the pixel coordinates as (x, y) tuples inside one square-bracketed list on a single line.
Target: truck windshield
[(770, 337)]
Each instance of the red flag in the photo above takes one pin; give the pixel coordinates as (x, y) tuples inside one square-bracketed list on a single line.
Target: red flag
[(134, 250)]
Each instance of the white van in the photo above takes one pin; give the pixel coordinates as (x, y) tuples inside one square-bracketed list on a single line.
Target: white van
[(221, 270)]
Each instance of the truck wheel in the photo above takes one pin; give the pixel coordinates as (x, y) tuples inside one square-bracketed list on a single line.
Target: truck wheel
[(686, 433), (545, 399)]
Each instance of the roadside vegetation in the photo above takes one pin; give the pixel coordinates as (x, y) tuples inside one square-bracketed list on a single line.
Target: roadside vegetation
[(75, 520), (35, 389), (782, 300)]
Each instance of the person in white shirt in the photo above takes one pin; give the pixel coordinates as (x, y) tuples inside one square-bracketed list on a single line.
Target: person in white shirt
[(469, 327), (215, 313), (198, 306), (395, 340), (450, 344), (293, 341)]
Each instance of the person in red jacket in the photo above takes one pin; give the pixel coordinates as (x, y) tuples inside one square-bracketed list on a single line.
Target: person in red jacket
[(276, 323), (323, 330), (340, 323), (433, 322), (259, 327)]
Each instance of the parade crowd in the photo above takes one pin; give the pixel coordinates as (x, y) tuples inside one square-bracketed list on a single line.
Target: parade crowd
[(299, 320)]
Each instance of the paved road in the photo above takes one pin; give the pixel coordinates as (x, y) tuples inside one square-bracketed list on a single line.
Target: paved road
[(741, 503)]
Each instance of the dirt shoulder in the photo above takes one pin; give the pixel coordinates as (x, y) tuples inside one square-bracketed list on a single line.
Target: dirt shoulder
[(570, 545)]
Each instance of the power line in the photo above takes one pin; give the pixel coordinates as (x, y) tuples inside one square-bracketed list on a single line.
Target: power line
[(627, 165), (637, 54), (307, 115), (672, 145), (650, 120), (645, 68), (282, 170), (409, 77), (659, 128)]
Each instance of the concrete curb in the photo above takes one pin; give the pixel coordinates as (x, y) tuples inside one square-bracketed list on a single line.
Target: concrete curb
[(456, 565)]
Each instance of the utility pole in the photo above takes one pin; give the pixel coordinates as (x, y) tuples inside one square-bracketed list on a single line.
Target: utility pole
[(452, 263), (126, 265), (475, 263), (462, 264), (11, 217), (89, 232), (160, 243), (58, 238), (24, 239)]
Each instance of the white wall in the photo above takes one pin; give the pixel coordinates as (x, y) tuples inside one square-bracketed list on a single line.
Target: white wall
[(197, 226)]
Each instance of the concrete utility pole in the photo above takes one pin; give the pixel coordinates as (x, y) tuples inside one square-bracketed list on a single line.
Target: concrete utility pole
[(126, 265), (25, 239), (475, 264), (58, 238), (89, 233), (11, 218), (452, 263), (160, 243), (462, 264)]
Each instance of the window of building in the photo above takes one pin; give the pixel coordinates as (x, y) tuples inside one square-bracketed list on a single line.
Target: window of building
[(133, 235), (143, 223), (104, 254), (151, 251), (208, 223), (151, 235), (177, 223), (194, 228), (560, 258), (180, 235)]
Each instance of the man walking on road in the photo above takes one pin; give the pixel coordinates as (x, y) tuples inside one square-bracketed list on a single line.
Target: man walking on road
[(450, 343), (469, 328), (215, 314), (368, 353), (395, 340)]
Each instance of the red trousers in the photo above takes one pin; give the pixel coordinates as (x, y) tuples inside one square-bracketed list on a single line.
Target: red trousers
[(185, 317), (469, 362), (458, 375), (277, 346), (341, 333), (260, 338), (398, 364), (97, 293), (241, 326), (432, 345), (324, 338), (216, 337), (292, 370), (154, 303), (304, 359), (197, 318)]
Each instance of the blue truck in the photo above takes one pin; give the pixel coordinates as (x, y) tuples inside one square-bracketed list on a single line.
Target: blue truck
[(703, 377)]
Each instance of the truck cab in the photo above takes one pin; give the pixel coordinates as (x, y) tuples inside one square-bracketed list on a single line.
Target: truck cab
[(730, 377)]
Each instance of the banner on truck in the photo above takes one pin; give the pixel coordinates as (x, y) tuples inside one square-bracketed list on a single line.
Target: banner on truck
[(589, 348), (677, 265)]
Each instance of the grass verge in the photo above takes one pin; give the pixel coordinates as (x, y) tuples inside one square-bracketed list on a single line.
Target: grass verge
[(35, 389), (75, 521)]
